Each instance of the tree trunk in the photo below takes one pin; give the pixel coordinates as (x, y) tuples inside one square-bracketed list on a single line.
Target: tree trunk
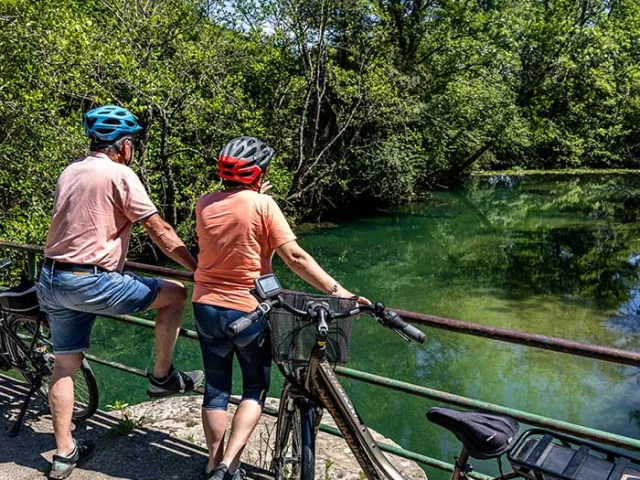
[(147, 119), (451, 174), (171, 210)]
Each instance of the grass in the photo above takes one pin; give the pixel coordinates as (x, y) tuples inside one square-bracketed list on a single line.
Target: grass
[(328, 463), (127, 424)]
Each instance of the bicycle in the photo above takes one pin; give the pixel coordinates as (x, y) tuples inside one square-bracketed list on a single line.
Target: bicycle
[(25, 345), (304, 355), (536, 454), (309, 334)]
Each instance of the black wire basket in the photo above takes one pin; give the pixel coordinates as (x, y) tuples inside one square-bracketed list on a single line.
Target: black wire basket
[(292, 339)]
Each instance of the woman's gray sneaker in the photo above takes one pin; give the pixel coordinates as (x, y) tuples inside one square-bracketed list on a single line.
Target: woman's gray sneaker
[(175, 383), (62, 467), (218, 473), (239, 474), (221, 472)]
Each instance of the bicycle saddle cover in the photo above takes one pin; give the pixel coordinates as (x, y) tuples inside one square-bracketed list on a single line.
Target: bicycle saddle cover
[(485, 435), (20, 300)]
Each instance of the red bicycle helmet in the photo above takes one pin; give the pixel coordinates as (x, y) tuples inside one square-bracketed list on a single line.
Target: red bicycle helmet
[(243, 159)]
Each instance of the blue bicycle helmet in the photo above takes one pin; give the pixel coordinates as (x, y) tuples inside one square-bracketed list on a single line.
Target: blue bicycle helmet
[(109, 122)]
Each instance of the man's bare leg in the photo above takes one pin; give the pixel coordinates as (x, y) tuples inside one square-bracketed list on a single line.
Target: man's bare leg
[(214, 423), (170, 303), (61, 399), (245, 420)]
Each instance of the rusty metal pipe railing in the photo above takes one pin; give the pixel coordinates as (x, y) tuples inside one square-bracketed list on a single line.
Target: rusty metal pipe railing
[(140, 267), (473, 404), (445, 397), (555, 344), (561, 345), (399, 451), (512, 336)]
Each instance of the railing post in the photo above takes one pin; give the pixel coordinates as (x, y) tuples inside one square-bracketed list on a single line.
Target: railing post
[(32, 265)]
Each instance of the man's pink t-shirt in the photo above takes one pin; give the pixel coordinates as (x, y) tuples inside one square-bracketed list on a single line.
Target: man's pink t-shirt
[(97, 201), (238, 231)]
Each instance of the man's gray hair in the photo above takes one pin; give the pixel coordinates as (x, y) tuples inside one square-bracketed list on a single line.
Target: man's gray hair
[(114, 147)]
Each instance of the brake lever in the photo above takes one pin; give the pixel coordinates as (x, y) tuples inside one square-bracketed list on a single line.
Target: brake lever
[(403, 336)]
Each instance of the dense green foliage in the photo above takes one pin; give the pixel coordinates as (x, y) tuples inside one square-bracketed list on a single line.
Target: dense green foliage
[(368, 102)]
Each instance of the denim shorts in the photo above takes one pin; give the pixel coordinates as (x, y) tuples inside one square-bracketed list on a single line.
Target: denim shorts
[(252, 347), (71, 301)]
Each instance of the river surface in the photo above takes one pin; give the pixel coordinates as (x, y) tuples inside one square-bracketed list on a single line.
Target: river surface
[(556, 256)]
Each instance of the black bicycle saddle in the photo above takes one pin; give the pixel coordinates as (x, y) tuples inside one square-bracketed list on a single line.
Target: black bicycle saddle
[(484, 434)]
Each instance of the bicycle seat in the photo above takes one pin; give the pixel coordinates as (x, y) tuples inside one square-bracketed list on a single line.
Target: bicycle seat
[(20, 300), (484, 434)]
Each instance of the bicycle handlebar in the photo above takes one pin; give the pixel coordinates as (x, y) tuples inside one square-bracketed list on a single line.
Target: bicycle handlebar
[(249, 319), (395, 322), (388, 318)]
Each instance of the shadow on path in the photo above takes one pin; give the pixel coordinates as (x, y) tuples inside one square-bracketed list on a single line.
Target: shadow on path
[(145, 454)]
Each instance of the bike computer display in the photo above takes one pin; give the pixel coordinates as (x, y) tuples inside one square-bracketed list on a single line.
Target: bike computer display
[(267, 286)]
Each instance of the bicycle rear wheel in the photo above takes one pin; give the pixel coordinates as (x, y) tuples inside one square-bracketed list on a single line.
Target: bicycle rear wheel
[(294, 457), (33, 356)]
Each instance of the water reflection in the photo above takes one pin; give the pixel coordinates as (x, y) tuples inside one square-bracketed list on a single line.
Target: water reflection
[(627, 318), (548, 256)]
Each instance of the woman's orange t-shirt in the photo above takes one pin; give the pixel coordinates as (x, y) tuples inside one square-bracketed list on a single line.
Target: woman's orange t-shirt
[(238, 231)]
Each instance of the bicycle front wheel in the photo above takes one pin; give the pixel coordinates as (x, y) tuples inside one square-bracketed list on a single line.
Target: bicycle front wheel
[(295, 436), (33, 356)]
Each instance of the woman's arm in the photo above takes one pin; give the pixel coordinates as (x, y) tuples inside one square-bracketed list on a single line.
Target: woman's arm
[(305, 266)]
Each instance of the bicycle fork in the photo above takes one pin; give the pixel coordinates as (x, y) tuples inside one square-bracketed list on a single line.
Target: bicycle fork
[(309, 418)]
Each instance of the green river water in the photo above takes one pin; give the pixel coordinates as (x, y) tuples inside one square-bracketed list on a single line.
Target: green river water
[(549, 255)]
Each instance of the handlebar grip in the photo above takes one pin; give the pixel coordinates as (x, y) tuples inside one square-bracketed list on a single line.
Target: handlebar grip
[(242, 323), (413, 333), (393, 320)]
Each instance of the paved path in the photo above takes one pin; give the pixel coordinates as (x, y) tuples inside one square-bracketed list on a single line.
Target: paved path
[(147, 453), (169, 444)]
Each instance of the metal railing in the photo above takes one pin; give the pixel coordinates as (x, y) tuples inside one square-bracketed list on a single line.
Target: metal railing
[(512, 336)]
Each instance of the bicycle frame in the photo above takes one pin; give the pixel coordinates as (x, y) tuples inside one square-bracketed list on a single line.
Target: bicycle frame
[(461, 468), (321, 386), (7, 336)]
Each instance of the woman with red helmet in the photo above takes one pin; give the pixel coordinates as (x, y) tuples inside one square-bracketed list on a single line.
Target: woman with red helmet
[(239, 229)]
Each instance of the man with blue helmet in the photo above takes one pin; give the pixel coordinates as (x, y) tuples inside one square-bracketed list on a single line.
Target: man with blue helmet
[(97, 200)]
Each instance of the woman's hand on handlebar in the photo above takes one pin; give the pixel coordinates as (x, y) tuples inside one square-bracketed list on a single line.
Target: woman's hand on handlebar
[(344, 293), (363, 301)]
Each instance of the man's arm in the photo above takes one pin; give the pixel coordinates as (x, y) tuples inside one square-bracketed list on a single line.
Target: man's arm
[(165, 237)]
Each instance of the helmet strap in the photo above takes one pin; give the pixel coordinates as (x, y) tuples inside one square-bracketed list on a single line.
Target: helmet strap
[(257, 184)]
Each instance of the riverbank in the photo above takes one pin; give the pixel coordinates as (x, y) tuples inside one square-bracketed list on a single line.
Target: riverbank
[(568, 171), (154, 440)]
